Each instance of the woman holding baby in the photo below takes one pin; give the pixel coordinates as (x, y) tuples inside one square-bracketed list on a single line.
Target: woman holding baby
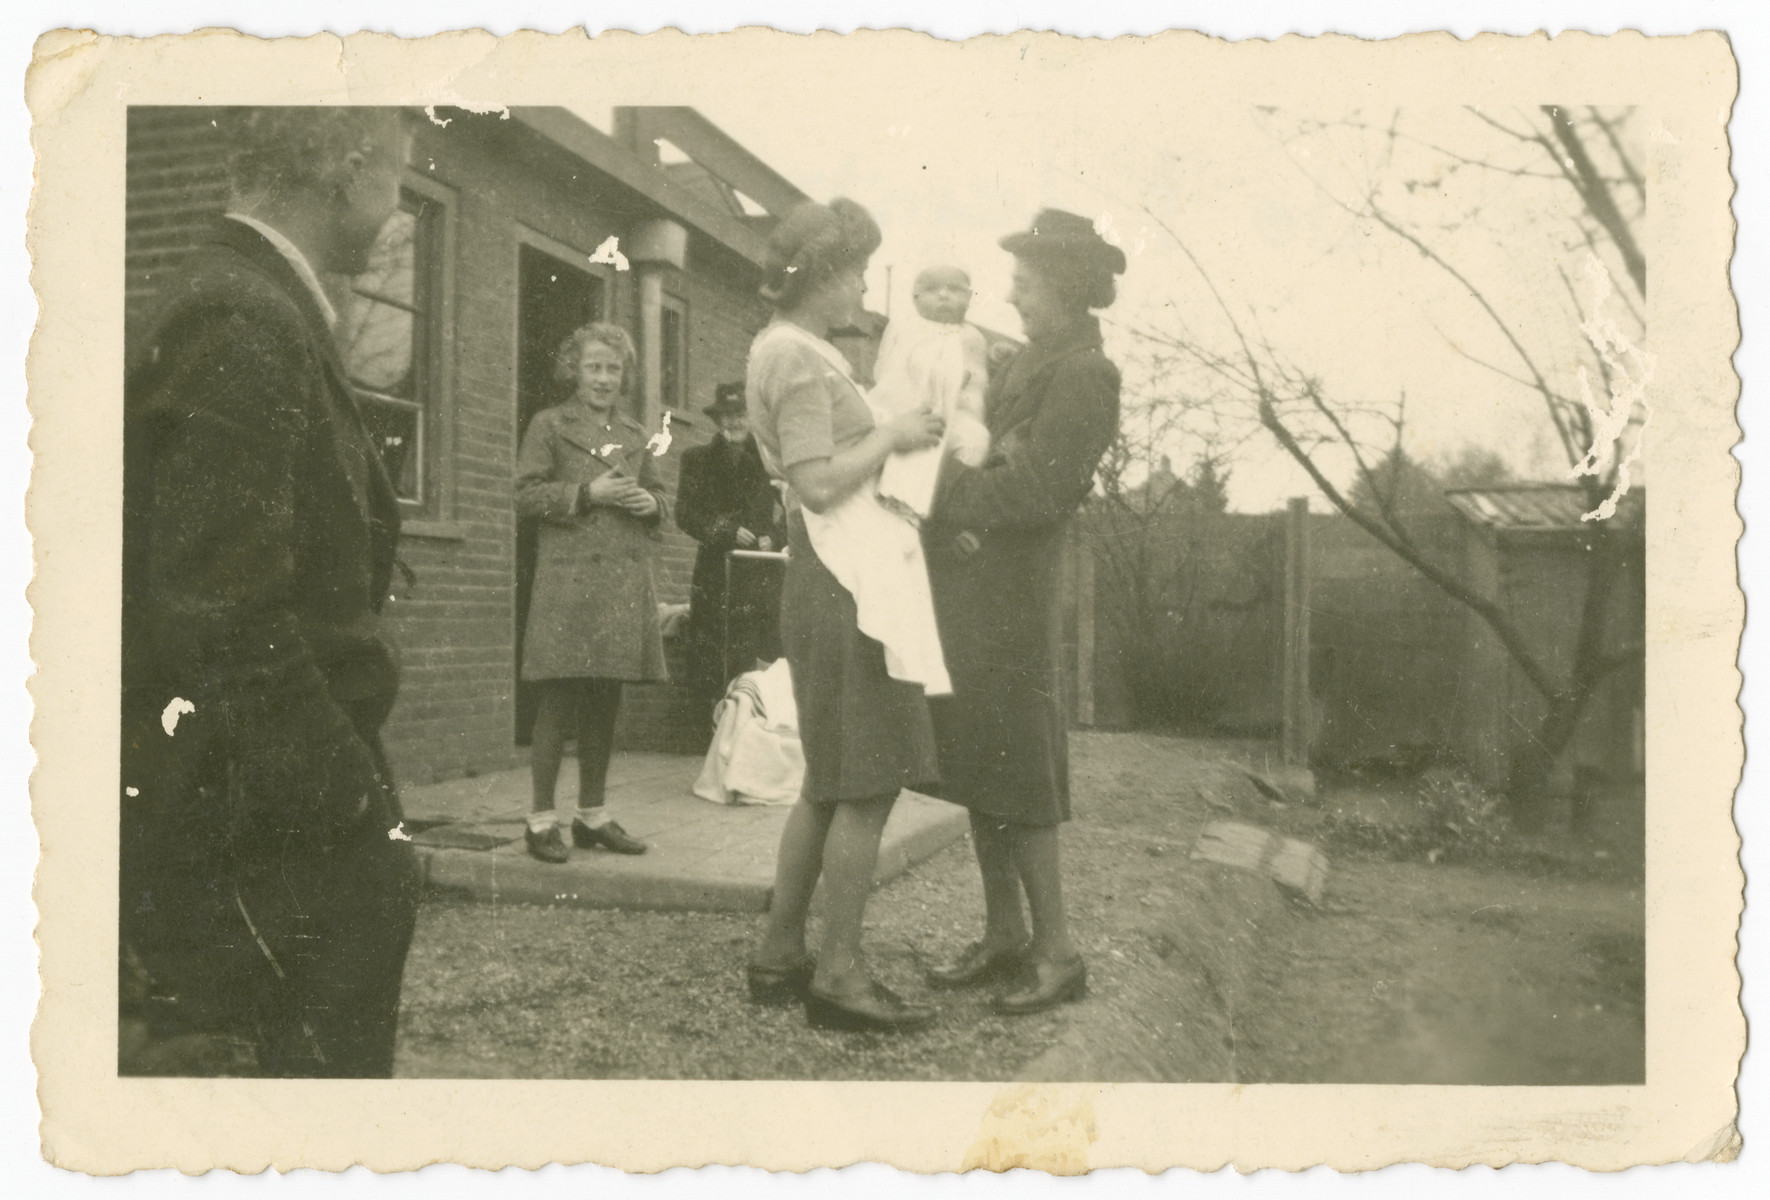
[(993, 538), (994, 544)]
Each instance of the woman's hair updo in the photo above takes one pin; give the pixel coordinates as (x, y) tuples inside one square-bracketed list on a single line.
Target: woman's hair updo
[(1082, 286), (571, 352), (812, 245)]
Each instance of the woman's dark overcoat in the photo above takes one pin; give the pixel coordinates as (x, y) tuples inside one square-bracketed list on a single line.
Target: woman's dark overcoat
[(594, 612), (1003, 734)]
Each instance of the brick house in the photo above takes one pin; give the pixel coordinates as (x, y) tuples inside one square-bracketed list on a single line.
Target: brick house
[(502, 246)]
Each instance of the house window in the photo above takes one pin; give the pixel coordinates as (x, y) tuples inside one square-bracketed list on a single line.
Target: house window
[(385, 331), (673, 348)]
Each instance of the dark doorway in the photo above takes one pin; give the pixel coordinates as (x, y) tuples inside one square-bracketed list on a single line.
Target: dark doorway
[(553, 299)]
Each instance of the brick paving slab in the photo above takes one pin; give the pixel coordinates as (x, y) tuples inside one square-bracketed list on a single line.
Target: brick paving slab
[(703, 856)]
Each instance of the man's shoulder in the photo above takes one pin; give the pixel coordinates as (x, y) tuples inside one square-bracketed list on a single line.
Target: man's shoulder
[(218, 284), (232, 263), (699, 452)]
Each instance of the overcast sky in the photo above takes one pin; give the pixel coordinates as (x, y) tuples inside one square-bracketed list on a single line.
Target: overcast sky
[(948, 167)]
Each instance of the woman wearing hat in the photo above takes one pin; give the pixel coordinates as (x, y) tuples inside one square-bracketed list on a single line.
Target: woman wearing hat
[(866, 736), (995, 541), (726, 501)]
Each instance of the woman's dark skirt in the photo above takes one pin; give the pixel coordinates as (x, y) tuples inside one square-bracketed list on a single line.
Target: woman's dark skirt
[(865, 734)]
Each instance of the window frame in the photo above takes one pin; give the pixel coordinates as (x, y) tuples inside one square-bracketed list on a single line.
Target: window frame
[(434, 308)]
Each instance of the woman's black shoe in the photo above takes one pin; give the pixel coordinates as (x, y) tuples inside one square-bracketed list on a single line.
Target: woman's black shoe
[(549, 847), (609, 835), (777, 987), (878, 1008), (1048, 984), (976, 966)]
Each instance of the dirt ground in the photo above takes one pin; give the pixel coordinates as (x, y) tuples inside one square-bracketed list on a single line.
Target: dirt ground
[(1519, 963), (1493, 958), (1449, 974)]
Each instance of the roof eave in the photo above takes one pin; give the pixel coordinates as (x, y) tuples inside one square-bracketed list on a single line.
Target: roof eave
[(596, 149)]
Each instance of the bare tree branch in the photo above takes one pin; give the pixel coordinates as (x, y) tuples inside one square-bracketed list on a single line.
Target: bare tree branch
[(1455, 588), (1485, 164), (1538, 380), (1530, 135), (1596, 194), (1630, 171)]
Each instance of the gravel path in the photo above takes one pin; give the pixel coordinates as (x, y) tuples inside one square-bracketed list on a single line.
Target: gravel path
[(524, 991)]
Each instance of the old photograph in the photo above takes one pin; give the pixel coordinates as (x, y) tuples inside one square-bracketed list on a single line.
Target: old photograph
[(1047, 579)]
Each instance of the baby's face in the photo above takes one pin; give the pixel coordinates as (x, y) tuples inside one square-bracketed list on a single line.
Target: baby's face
[(943, 296)]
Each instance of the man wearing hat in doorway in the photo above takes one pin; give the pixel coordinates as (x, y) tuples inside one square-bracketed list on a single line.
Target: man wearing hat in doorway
[(727, 502)]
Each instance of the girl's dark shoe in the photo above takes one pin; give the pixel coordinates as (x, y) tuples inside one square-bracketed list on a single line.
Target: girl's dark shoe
[(878, 1008), (975, 966), (777, 987), (549, 847), (1045, 985), (609, 835)]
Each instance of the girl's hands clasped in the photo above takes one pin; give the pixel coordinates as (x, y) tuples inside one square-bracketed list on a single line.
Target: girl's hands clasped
[(617, 490), (640, 502)]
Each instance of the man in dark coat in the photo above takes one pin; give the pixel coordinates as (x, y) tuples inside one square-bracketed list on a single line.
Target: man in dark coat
[(726, 502), (267, 899)]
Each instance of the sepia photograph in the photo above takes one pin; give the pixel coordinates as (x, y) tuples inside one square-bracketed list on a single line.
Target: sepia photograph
[(1379, 704), (822, 576)]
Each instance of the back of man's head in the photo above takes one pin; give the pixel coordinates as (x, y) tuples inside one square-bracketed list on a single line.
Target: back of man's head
[(292, 148), (326, 178)]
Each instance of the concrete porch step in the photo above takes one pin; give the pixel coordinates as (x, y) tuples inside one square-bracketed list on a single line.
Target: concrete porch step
[(703, 856)]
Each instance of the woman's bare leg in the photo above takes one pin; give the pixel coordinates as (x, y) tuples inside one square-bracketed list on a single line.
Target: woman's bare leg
[(1004, 926), (851, 853), (796, 868), (1036, 858)]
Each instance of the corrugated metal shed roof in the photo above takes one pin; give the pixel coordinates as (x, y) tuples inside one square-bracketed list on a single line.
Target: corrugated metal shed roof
[(1542, 506)]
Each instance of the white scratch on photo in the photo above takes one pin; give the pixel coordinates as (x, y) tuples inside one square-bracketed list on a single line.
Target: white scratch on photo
[(1629, 368), (175, 709), (610, 253)]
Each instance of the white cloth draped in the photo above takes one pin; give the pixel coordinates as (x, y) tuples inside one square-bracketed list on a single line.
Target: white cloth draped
[(877, 556)]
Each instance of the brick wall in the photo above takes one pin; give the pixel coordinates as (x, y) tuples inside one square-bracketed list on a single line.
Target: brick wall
[(177, 180), (456, 709)]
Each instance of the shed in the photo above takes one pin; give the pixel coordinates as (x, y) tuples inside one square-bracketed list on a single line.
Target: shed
[(1529, 546)]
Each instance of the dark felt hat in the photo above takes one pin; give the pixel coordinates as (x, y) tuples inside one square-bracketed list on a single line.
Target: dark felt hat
[(1058, 236), (727, 398)]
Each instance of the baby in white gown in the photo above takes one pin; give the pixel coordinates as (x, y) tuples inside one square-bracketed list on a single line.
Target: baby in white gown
[(937, 361)]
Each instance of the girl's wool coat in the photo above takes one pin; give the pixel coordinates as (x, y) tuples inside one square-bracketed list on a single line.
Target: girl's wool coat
[(594, 612)]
